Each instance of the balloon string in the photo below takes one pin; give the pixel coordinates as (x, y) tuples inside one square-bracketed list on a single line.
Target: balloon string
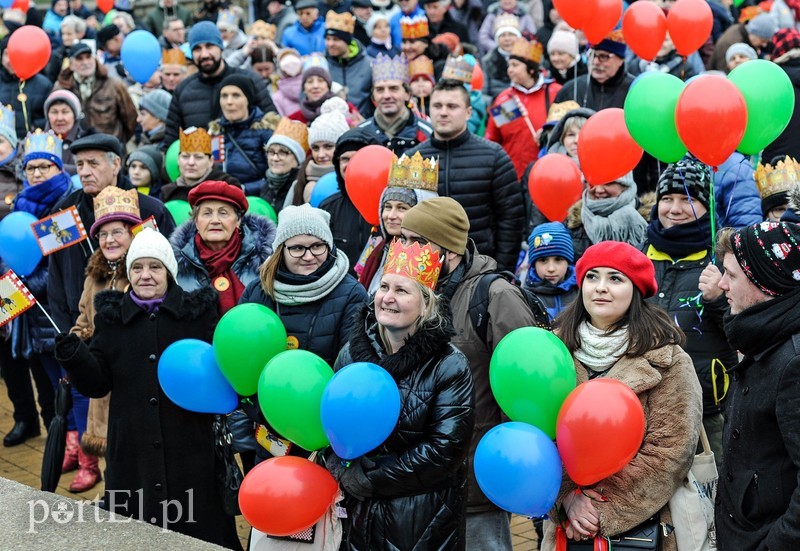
[(24, 103)]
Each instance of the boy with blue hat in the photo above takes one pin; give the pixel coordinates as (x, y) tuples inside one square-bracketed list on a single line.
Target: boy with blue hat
[(551, 276)]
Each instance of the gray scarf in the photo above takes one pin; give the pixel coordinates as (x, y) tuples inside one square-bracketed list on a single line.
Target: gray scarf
[(614, 219), (391, 129), (181, 181), (290, 295)]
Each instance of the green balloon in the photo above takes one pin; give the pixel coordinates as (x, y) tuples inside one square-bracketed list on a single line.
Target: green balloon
[(180, 210), (531, 373), (650, 115), (171, 160), (260, 207), (290, 393), (769, 95), (246, 338)]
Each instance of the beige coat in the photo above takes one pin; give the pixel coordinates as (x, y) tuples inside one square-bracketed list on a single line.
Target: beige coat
[(667, 386), (99, 277)]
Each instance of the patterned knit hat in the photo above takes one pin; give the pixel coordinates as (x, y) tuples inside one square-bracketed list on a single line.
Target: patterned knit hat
[(783, 42), (550, 239), (695, 175), (303, 220), (769, 255)]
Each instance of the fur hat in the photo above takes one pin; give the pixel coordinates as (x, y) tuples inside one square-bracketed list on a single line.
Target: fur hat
[(550, 239), (148, 243), (303, 220), (327, 127), (441, 220), (621, 257)]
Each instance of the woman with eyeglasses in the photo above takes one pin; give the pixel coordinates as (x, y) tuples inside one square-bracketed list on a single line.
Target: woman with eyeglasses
[(306, 282), (286, 151)]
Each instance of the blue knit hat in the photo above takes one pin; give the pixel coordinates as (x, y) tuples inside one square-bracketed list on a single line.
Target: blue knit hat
[(550, 239), (204, 32)]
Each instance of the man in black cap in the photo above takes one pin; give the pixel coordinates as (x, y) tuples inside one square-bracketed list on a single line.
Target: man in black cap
[(98, 158), (758, 498)]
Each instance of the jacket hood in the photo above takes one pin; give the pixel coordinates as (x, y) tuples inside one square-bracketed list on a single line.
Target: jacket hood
[(558, 131)]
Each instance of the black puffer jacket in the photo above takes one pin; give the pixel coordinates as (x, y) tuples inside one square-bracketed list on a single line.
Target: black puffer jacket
[(322, 326), (193, 101), (788, 143), (592, 94), (495, 77), (419, 481), (479, 174), (37, 88)]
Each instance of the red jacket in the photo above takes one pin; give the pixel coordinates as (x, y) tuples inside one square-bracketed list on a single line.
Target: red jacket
[(515, 136)]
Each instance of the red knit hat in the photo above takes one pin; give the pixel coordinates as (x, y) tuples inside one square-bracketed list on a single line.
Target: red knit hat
[(221, 191), (624, 258)]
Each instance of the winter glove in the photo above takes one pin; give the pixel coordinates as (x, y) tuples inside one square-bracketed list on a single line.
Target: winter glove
[(354, 480), (335, 466), (67, 345)]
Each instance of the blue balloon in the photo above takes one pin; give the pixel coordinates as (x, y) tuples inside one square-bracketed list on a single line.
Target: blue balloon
[(141, 55), (18, 246), (5, 4), (360, 408), (190, 377), (324, 188), (518, 467)]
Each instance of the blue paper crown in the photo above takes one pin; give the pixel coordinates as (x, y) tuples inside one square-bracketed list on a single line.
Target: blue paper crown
[(228, 18), (390, 68), (43, 145), (7, 121)]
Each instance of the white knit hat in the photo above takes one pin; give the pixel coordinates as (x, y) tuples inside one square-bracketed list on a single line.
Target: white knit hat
[(563, 41), (327, 128), (148, 243), (302, 220)]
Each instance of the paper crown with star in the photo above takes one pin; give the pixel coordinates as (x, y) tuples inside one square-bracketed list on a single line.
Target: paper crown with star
[(173, 56), (529, 51), (412, 28), (228, 19), (390, 68), (783, 177), (195, 140), (418, 262), (43, 145), (457, 68), (414, 173)]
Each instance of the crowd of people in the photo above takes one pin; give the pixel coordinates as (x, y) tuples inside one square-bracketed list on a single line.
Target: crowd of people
[(676, 280)]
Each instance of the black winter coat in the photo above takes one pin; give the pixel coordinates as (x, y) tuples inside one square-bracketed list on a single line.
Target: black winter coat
[(758, 498), (419, 481), (479, 174), (173, 192), (495, 77), (322, 326), (592, 94), (67, 267), (252, 136), (412, 134), (156, 450), (193, 101), (37, 88), (788, 143)]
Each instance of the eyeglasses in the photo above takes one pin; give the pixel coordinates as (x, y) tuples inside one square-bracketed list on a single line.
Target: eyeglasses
[(30, 170), (299, 251), (116, 234), (281, 154), (602, 57)]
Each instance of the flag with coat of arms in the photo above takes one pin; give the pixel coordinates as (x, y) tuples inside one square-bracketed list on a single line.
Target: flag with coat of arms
[(59, 230)]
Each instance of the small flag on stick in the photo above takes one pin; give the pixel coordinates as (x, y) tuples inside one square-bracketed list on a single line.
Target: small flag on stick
[(147, 223), (59, 231), (15, 298)]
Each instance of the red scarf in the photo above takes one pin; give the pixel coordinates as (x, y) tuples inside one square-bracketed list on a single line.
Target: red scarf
[(218, 263)]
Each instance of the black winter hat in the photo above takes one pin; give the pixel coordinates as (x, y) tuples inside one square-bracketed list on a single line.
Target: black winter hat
[(686, 175), (243, 83)]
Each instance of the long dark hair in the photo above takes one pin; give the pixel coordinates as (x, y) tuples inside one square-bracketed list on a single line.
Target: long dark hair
[(649, 327)]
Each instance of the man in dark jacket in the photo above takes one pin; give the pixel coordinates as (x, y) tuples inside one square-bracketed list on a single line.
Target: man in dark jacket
[(193, 100), (755, 33), (477, 173), (786, 53), (758, 498), (348, 61), (444, 224), (394, 125), (98, 161), (440, 21), (36, 90)]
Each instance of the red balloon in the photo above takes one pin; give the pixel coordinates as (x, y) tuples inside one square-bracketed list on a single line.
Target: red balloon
[(574, 12), (602, 17), (366, 177), (689, 23), (711, 102), (28, 51), (105, 6), (477, 77), (606, 149), (555, 184), (21, 5), (599, 430), (644, 27), (286, 495)]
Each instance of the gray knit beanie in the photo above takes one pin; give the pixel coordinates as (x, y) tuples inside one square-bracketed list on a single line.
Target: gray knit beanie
[(303, 220), (156, 103)]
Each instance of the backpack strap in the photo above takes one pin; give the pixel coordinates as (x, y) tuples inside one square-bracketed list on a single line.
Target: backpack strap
[(479, 305)]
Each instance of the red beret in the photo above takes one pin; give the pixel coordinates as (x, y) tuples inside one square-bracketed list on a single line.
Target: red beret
[(621, 257), (220, 191)]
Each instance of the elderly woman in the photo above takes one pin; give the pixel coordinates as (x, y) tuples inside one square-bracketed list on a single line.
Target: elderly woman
[(316, 84), (409, 492), (116, 211), (157, 452), (565, 61), (286, 151), (246, 130), (221, 246), (63, 111)]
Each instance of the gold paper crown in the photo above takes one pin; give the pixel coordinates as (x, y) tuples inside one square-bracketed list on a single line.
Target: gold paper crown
[(421, 65), (414, 27), (414, 172), (782, 178), (262, 29), (113, 200), (173, 56), (420, 263), (457, 68), (294, 130), (558, 110), (195, 140), (344, 22), (506, 20), (532, 51)]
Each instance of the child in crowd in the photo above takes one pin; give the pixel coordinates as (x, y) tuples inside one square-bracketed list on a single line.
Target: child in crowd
[(551, 276)]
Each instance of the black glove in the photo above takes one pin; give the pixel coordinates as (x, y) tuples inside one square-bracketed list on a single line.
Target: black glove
[(335, 466), (354, 479), (67, 345)]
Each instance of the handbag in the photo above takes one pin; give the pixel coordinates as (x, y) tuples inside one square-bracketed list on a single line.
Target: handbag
[(229, 475), (692, 504), (646, 537)]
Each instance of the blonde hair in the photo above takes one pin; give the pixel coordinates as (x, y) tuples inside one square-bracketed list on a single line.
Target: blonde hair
[(430, 317), (269, 270)]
